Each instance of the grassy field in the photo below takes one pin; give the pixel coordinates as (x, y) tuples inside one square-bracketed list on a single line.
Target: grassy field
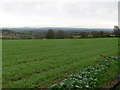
[(41, 63)]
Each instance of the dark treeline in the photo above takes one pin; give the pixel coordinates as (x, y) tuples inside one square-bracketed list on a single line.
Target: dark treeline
[(60, 34), (51, 34)]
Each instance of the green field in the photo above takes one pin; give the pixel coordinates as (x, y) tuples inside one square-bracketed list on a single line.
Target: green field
[(41, 63)]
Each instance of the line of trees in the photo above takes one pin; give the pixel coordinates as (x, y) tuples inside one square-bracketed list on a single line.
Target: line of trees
[(60, 34)]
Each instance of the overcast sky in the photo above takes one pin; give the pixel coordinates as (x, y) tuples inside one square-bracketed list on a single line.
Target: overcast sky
[(59, 13)]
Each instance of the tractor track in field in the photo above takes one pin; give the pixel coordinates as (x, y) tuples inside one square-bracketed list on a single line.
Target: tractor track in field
[(32, 61), (36, 60), (18, 79)]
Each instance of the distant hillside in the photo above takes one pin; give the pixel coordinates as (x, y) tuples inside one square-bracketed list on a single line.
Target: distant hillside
[(56, 28)]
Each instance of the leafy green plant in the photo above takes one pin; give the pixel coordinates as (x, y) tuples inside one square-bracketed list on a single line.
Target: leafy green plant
[(89, 77)]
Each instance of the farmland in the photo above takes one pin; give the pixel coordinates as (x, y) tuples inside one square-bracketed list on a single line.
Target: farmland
[(41, 63)]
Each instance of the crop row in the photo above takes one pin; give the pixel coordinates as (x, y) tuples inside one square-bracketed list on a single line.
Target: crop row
[(91, 76)]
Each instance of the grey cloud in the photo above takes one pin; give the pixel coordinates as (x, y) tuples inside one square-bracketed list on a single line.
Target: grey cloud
[(63, 12)]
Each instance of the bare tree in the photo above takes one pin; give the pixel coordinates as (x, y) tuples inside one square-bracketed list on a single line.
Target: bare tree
[(50, 34), (116, 31), (60, 34)]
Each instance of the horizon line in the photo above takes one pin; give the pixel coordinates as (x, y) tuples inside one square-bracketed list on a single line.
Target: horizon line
[(56, 27)]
